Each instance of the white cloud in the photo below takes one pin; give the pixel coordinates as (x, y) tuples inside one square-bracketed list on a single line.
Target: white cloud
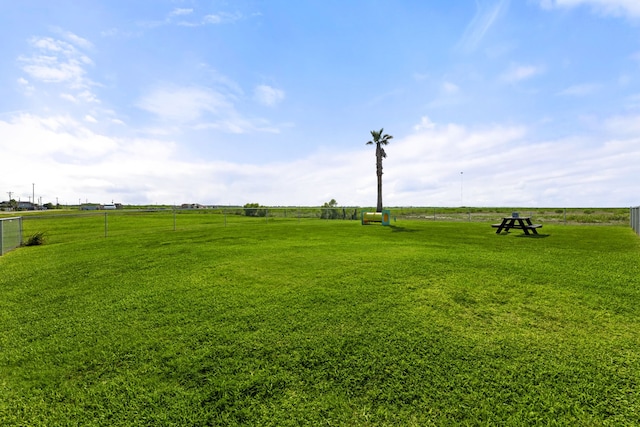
[(628, 8), (57, 62), (75, 39), (69, 97), (579, 90), (623, 125), (183, 104), (26, 86), (425, 123), (450, 88), (517, 73), (180, 12), (201, 108), (220, 18), (50, 70), (119, 33), (503, 166), (210, 19), (267, 95)]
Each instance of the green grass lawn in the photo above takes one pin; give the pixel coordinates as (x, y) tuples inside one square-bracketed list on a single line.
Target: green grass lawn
[(312, 322)]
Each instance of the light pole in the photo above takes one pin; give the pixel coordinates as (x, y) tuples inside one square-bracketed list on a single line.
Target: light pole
[(461, 194)]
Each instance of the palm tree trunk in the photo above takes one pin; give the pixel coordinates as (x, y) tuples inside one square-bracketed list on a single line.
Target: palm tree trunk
[(379, 173), (379, 206)]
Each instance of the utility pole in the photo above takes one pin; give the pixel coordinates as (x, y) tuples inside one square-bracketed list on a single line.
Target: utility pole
[(461, 194), (9, 193), (33, 189)]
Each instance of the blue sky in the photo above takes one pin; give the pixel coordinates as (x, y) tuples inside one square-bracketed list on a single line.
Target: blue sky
[(490, 102)]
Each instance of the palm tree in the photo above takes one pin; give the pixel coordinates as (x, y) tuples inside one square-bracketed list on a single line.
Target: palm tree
[(379, 139)]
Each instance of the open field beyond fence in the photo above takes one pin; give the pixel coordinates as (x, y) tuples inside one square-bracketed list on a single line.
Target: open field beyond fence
[(214, 319)]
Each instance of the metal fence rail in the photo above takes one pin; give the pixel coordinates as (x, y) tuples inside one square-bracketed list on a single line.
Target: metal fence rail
[(635, 219), (10, 234), (124, 221)]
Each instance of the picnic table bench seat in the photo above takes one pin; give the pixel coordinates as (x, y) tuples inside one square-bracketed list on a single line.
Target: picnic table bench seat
[(517, 226)]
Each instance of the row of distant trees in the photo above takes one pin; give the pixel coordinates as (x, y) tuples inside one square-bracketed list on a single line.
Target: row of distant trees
[(329, 210)]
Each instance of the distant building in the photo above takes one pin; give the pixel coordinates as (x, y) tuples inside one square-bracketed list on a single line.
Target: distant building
[(27, 206), (89, 207), (192, 206)]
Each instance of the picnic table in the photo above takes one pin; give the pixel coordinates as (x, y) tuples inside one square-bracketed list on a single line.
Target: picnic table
[(520, 223)]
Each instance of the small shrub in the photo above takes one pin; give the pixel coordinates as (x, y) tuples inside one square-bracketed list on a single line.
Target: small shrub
[(255, 209), (35, 239), (329, 210)]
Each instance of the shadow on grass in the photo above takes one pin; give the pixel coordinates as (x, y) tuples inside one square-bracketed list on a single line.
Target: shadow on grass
[(534, 236), (397, 229)]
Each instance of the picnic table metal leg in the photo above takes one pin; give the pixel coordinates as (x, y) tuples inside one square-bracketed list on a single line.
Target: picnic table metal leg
[(523, 226), (532, 229), (509, 224)]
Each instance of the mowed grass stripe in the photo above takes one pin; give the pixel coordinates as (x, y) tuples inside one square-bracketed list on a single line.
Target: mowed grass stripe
[(312, 322)]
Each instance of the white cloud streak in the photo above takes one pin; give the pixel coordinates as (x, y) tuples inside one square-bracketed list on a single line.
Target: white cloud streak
[(580, 90), (517, 73), (267, 95), (485, 17), (626, 8)]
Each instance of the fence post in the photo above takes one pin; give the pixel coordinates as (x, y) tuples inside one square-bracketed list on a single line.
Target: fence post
[(634, 218), (105, 224)]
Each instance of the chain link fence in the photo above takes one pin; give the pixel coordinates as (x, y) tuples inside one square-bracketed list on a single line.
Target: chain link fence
[(10, 234), (142, 220)]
